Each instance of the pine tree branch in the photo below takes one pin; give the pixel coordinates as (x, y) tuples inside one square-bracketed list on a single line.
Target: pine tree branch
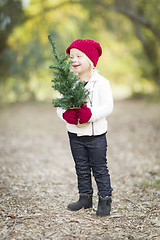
[(66, 82)]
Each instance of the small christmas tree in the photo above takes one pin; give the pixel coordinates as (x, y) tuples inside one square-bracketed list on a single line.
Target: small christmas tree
[(74, 95)]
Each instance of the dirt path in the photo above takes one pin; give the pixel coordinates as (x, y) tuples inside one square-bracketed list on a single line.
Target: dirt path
[(37, 177)]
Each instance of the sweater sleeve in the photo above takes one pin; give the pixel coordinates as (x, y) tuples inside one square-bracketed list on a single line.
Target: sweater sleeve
[(60, 112), (105, 105)]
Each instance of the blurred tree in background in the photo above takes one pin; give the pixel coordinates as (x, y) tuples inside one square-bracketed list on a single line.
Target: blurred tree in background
[(128, 31), (11, 15), (144, 17)]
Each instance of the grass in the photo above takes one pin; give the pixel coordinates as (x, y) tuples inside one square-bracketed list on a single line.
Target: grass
[(151, 184)]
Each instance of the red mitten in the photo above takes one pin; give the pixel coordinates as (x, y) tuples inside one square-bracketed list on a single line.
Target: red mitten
[(84, 114), (70, 116)]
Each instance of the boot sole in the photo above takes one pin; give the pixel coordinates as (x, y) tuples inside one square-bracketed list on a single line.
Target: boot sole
[(77, 209)]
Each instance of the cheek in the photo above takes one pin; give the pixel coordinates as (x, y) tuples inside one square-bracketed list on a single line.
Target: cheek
[(88, 66), (87, 63)]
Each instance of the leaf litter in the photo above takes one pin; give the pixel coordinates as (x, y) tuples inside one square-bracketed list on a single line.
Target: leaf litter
[(38, 178)]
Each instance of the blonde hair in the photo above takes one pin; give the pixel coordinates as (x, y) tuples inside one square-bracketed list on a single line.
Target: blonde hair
[(93, 68)]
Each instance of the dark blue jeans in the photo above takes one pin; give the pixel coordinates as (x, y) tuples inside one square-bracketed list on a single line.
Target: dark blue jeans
[(89, 154)]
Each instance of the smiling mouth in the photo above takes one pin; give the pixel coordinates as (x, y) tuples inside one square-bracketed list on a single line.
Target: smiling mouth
[(75, 66)]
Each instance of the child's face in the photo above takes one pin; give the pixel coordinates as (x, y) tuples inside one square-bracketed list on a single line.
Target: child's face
[(80, 64)]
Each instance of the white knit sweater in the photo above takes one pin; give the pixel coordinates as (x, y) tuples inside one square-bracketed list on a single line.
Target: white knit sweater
[(100, 102)]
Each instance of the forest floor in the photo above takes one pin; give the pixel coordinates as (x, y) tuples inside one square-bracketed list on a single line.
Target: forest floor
[(37, 176)]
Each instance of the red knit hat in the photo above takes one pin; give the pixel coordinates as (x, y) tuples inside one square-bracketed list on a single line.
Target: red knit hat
[(90, 47)]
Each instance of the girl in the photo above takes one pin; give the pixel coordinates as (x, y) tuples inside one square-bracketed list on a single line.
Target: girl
[(88, 143)]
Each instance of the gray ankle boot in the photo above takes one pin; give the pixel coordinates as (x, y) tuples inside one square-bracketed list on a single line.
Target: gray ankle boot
[(104, 206), (85, 201)]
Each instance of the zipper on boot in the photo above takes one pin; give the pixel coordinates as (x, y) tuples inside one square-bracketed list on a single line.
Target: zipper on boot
[(85, 201)]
